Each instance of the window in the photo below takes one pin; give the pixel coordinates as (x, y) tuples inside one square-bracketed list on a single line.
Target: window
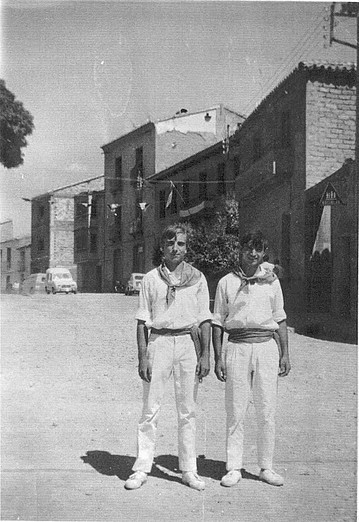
[(81, 207), (185, 192), (221, 182), (41, 244), (137, 171), (94, 205), (174, 202), (202, 192), (118, 167), (41, 211), (118, 223), (93, 242), (8, 258), (162, 204), (285, 130), (139, 160), (236, 166), (138, 259), (257, 146)]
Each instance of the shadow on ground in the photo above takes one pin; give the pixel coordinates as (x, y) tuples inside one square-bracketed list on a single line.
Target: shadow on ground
[(326, 327), (165, 466)]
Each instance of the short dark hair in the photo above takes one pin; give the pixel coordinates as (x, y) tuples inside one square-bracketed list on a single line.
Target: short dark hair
[(254, 239), (171, 231)]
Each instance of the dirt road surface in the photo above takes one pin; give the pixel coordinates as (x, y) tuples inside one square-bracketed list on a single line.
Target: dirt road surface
[(71, 399)]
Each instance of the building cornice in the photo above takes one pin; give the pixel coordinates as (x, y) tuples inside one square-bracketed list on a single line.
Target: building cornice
[(308, 68), (140, 130), (52, 192)]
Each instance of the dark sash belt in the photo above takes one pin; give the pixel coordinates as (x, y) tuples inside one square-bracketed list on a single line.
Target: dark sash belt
[(254, 335), (171, 332), (250, 335), (193, 332)]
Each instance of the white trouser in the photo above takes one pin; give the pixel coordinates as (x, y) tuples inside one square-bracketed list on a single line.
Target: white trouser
[(177, 355), (251, 365)]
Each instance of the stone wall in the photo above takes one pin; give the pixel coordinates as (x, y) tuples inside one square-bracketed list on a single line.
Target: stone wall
[(16, 268), (52, 226), (330, 132)]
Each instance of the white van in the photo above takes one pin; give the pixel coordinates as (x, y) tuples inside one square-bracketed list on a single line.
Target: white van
[(59, 279)]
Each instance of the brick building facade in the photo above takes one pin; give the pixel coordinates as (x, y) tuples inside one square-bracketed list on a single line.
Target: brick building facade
[(52, 225), (134, 159), (15, 258), (299, 135)]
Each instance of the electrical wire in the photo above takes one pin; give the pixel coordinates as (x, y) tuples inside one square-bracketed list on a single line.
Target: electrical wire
[(290, 58), (253, 103), (288, 61)]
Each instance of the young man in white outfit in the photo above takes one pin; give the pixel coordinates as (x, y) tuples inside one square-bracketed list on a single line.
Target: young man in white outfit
[(249, 307), (174, 306)]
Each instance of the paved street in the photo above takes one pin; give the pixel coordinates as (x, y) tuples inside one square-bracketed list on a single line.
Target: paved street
[(71, 399)]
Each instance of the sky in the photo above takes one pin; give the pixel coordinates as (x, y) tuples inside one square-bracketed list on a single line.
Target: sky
[(91, 71)]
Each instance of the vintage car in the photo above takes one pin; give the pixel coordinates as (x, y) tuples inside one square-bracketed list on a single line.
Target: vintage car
[(134, 284)]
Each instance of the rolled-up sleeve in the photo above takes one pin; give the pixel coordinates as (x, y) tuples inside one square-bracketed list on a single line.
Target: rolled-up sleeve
[(204, 313), (144, 302), (278, 303), (220, 305)]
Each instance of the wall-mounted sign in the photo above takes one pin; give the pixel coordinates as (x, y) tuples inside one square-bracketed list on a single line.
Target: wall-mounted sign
[(330, 196)]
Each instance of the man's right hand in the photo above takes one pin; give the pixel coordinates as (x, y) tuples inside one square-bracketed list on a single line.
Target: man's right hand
[(145, 369), (220, 370)]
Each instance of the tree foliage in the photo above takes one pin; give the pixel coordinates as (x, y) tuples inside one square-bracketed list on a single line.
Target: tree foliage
[(213, 244), (15, 124)]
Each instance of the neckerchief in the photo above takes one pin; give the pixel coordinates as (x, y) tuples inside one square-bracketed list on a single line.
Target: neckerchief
[(265, 275), (189, 277)]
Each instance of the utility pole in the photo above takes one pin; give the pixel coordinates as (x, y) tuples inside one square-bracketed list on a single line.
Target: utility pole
[(357, 109), (349, 10), (357, 131)]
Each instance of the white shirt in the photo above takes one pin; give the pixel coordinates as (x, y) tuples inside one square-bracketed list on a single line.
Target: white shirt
[(189, 307), (258, 305)]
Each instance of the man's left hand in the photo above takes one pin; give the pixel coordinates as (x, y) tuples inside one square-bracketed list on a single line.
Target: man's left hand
[(203, 367), (284, 366)]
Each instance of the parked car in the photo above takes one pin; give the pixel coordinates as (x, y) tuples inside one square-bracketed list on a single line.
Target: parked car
[(34, 283), (134, 284), (59, 279), (120, 288)]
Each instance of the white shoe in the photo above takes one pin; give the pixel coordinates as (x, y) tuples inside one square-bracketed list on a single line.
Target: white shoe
[(271, 477), (231, 478), (192, 480), (136, 480)]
